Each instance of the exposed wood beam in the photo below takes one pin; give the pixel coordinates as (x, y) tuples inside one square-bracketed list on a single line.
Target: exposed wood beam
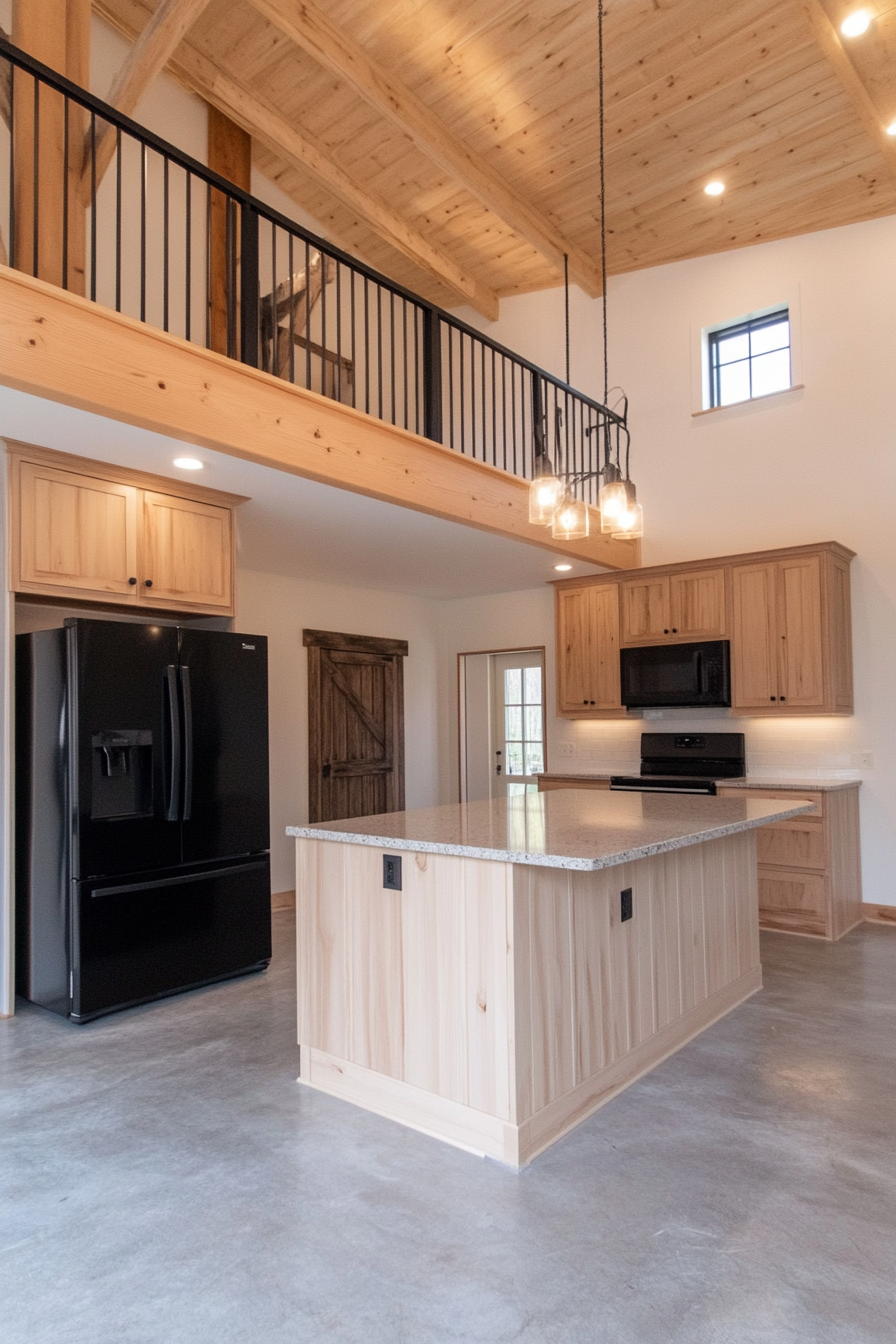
[(312, 30), (147, 58), (303, 151), (62, 347), (829, 40)]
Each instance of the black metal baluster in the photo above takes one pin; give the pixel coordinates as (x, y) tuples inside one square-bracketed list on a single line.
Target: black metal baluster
[(354, 344), (291, 329), (118, 220), (379, 350), (308, 314), (404, 355), (188, 258), (339, 331), (366, 346), (323, 324), (142, 228), (65, 192), (208, 266), (35, 187), (249, 287), (450, 386), (13, 238), (93, 186), (463, 400), (165, 243), (392, 354), (418, 315)]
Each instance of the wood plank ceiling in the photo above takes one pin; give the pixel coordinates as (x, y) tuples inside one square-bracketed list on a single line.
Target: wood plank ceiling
[(498, 171)]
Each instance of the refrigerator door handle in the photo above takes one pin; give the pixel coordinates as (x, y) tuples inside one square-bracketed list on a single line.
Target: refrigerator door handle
[(127, 887), (188, 741), (171, 813)]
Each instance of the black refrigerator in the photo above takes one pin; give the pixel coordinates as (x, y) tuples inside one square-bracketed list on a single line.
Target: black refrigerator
[(142, 817)]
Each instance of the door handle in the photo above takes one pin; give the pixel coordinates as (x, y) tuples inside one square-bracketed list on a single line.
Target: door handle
[(187, 700), (174, 724)]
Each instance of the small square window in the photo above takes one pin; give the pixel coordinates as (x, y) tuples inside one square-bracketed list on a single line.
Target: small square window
[(749, 359)]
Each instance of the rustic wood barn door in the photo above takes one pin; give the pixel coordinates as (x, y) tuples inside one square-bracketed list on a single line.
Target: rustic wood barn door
[(355, 725)]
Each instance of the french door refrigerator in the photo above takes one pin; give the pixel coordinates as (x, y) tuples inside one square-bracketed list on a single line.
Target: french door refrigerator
[(142, 826)]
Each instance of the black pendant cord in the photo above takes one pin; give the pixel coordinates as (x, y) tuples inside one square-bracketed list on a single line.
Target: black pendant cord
[(566, 301), (603, 215)]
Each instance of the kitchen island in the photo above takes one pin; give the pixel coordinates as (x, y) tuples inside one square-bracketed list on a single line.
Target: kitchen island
[(492, 972)]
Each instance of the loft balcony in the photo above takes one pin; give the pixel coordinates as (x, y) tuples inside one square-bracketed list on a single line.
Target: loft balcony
[(138, 284)]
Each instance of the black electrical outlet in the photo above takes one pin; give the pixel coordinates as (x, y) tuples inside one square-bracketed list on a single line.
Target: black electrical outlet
[(625, 904), (392, 872)]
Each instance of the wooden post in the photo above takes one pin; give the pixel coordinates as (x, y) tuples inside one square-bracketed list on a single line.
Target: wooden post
[(230, 155), (49, 219)]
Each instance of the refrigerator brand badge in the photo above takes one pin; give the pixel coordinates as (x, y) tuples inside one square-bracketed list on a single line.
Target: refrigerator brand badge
[(248, 646)]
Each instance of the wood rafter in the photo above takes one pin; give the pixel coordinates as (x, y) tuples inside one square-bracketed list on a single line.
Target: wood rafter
[(829, 40), (305, 152), (146, 59), (328, 44)]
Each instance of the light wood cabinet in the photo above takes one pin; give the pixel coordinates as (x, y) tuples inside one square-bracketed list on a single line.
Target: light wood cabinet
[(89, 531), (673, 607), (587, 632), (791, 636), (786, 614), (810, 877)]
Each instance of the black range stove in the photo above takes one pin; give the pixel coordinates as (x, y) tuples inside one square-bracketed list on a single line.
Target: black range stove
[(685, 763)]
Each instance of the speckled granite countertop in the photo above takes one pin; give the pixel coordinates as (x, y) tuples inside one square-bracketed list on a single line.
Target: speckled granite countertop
[(580, 829), (748, 782)]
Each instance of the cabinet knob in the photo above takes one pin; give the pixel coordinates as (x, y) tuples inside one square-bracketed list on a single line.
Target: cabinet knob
[(665, 632), (132, 581), (772, 697), (675, 629), (782, 698), (584, 702), (147, 583)]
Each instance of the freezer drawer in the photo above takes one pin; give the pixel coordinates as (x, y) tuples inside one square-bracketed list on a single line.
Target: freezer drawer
[(140, 939)]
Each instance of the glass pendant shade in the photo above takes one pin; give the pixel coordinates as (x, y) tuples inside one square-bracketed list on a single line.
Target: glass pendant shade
[(630, 524), (545, 494), (612, 502), (570, 521)]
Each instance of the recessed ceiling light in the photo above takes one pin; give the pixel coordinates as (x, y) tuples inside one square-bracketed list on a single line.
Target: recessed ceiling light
[(891, 129), (189, 463), (856, 23), (563, 566), (714, 188)]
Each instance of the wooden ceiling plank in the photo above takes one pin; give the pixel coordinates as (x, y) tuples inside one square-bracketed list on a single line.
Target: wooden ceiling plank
[(264, 122), (310, 29), (147, 58), (829, 41)]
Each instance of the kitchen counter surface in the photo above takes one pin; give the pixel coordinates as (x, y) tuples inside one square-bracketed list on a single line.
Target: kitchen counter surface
[(744, 782), (584, 830)]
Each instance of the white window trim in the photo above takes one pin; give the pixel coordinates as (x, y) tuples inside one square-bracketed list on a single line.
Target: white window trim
[(703, 324)]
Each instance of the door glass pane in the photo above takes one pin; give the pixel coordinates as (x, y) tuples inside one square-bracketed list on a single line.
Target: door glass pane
[(514, 758), (533, 685), (533, 723), (513, 686), (534, 758), (513, 723)]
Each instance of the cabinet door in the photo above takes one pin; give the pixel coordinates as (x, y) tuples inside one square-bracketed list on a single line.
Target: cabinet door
[(588, 649), (186, 552), (800, 649), (645, 610), (754, 665), (697, 604), (77, 532)]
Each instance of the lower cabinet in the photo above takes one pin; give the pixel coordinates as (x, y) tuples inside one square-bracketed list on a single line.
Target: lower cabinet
[(810, 878)]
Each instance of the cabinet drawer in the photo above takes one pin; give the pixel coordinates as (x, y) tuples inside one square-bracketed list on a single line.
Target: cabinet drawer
[(789, 795), (792, 902), (792, 844)]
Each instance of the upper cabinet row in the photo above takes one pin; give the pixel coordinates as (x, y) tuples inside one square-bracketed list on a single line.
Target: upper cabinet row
[(93, 532), (786, 614)]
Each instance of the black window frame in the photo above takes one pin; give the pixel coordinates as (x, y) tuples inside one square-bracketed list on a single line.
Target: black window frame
[(745, 327)]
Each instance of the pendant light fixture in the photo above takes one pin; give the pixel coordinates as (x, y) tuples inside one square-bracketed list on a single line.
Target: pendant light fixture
[(552, 494)]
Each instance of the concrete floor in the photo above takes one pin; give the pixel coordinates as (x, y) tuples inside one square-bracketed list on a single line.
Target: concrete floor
[(167, 1181)]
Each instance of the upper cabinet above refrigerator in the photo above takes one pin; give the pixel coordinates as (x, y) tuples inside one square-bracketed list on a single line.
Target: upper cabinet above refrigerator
[(95, 532)]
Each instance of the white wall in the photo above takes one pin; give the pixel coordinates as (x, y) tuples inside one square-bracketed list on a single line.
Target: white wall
[(281, 608), (810, 465)]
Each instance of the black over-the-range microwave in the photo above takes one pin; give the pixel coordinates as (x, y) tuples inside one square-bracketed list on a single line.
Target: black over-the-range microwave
[(663, 675)]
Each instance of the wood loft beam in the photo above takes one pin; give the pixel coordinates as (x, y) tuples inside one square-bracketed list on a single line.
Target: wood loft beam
[(146, 59), (305, 152), (316, 34), (62, 347), (829, 40)]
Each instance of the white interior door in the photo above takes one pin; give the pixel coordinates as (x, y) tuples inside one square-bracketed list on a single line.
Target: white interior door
[(517, 722)]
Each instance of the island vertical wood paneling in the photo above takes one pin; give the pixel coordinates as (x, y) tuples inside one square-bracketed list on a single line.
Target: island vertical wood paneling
[(496, 1005)]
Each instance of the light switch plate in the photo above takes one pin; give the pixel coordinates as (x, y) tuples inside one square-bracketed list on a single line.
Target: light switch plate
[(566, 748)]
